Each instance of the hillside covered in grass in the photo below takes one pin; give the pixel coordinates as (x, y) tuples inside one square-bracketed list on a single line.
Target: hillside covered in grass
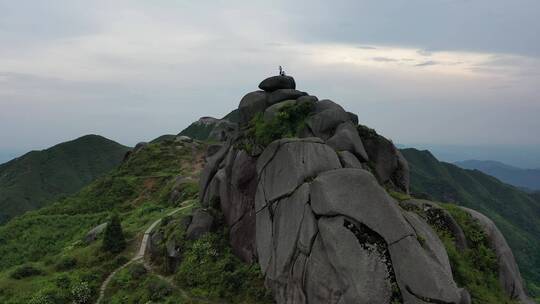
[(38, 177), (515, 212), (45, 255)]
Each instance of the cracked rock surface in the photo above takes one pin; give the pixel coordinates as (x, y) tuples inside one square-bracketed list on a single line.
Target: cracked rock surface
[(313, 211)]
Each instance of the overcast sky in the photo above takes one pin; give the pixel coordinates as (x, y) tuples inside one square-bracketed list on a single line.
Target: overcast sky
[(459, 72)]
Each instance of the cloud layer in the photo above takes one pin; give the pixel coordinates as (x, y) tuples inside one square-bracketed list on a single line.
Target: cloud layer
[(443, 72)]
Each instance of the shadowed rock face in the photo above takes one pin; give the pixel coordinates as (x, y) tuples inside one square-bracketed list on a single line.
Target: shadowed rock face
[(274, 83), (314, 213)]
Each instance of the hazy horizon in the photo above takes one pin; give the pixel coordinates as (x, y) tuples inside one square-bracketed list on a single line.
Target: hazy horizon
[(525, 157), (445, 73)]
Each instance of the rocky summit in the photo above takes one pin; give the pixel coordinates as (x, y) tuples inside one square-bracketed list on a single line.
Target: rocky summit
[(322, 204)]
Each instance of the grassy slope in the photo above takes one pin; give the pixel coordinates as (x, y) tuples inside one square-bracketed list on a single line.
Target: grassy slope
[(201, 131), (198, 131), (514, 212), (536, 196), (138, 190), (49, 240), (32, 180)]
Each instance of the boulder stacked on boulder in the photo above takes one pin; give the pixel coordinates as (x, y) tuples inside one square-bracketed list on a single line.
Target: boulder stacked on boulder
[(313, 208)]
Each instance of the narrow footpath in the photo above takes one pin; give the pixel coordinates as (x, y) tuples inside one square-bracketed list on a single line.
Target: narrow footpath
[(140, 254)]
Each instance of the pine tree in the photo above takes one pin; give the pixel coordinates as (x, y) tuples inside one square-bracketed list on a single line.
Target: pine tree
[(113, 240)]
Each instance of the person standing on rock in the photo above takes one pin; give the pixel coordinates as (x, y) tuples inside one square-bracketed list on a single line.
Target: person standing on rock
[(281, 71)]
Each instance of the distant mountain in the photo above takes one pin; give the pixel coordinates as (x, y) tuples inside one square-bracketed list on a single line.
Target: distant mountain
[(30, 181), (516, 213), (7, 155), (522, 156), (524, 178), (202, 128)]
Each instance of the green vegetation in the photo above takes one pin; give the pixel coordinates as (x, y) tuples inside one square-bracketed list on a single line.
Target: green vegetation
[(516, 214), (536, 196), (70, 270), (39, 177), (113, 239), (399, 196), (201, 131), (35, 270), (25, 271), (366, 132), (208, 268), (135, 284), (198, 130), (476, 268), (288, 122)]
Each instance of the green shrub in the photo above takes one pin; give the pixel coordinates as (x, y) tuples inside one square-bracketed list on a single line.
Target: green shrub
[(158, 289), (25, 271), (400, 196), (63, 281), (190, 191), (113, 240), (120, 260), (50, 295), (40, 298), (475, 268), (43, 297), (66, 263), (210, 269), (137, 271), (366, 132), (288, 122), (81, 293)]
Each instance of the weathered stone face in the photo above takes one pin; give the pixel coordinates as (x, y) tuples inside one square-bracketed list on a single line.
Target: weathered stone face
[(390, 167), (293, 162), (323, 228), (348, 160), (363, 266), (284, 94), (223, 131), (202, 223), (323, 123), (274, 83), (346, 138), (369, 246), (251, 104), (356, 194)]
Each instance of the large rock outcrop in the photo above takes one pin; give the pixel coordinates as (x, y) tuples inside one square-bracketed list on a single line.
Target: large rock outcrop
[(313, 210)]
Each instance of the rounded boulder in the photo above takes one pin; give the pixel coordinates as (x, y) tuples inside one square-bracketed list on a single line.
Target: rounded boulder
[(274, 83)]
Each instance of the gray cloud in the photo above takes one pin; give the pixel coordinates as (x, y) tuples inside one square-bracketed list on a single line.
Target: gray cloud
[(496, 26), (133, 70), (427, 63), (384, 59), (366, 47)]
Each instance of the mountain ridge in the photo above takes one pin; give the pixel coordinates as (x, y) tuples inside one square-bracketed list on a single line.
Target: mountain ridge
[(514, 211), (519, 177), (312, 202), (31, 180)]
